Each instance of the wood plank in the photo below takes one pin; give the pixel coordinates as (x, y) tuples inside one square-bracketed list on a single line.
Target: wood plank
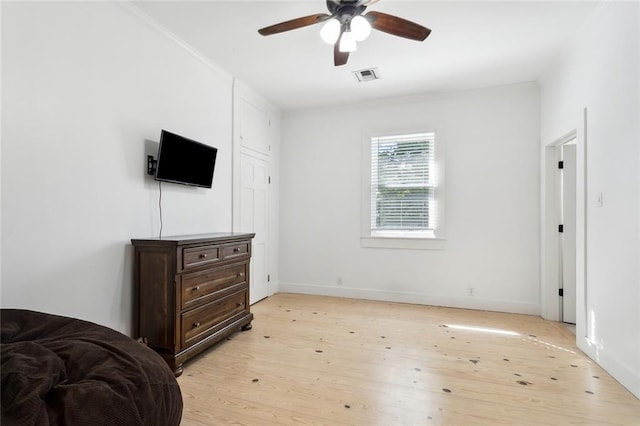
[(322, 360)]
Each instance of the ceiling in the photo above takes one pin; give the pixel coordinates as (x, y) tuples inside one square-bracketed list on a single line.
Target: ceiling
[(473, 44)]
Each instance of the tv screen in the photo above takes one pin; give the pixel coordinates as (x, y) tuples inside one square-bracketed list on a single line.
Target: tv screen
[(185, 161)]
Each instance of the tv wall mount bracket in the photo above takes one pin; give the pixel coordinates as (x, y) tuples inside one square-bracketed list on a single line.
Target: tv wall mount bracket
[(152, 164)]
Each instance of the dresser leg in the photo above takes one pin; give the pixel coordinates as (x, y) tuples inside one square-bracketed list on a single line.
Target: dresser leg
[(247, 327), (178, 371)]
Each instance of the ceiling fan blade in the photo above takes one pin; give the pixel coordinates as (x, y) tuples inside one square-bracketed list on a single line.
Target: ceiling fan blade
[(339, 58), (397, 26), (294, 24)]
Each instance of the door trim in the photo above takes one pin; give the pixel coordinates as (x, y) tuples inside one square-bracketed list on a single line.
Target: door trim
[(549, 268)]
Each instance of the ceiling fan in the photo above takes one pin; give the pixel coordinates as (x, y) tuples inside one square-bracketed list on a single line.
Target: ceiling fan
[(345, 25)]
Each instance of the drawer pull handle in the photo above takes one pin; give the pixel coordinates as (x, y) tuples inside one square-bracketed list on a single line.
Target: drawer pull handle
[(196, 324), (241, 274), (203, 255), (239, 305), (236, 249), (196, 288)]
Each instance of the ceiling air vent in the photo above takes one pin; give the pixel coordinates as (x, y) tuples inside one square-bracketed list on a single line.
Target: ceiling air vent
[(368, 74)]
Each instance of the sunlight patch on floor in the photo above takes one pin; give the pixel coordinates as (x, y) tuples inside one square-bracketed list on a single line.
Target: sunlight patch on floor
[(483, 330), (547, 344)]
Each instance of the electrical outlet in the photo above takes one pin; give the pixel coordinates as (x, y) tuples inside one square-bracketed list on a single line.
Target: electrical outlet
[(339, 280), (470, 291)]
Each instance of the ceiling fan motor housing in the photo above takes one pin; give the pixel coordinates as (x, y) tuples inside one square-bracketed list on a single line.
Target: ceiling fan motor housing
[(345, 11)]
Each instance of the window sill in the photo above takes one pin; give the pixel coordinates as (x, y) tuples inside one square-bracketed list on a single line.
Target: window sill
[(409, 243)]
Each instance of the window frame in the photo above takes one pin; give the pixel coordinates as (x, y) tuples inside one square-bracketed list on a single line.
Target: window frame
[(427, 240)]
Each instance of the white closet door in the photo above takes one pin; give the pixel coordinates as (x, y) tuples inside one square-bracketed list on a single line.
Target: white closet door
[(254, 217)]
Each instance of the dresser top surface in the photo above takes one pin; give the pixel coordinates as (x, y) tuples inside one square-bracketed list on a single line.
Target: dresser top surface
[(194, 238)]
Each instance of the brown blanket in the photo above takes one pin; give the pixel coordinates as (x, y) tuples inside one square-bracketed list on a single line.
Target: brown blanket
[(58, 370)]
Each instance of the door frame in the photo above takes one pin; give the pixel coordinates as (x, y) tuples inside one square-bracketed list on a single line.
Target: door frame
[(242, 94), (551, 264), (550, 240)]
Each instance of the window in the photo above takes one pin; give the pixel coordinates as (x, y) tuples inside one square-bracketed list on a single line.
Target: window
[(404, 197)]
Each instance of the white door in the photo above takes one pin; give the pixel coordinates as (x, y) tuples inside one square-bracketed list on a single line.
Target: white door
[(568, 236), (254, 217)]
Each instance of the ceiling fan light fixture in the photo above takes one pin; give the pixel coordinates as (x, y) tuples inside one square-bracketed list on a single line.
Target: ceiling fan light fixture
[(347, 42), (330, 31), (345, 25), (360, 27)]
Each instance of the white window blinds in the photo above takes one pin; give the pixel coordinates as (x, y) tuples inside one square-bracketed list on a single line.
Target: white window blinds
[(402, 183)]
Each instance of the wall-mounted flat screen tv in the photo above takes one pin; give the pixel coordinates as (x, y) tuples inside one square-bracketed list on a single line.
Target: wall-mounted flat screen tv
[(185, 161)]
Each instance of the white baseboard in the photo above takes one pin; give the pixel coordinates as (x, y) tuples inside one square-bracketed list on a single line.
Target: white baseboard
[(469, 302), (622, 373)]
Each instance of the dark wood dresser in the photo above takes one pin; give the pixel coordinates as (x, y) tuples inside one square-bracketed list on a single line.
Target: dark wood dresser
[(191, 292)]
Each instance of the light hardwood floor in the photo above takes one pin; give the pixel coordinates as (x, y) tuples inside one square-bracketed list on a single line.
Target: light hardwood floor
[(322, 360)]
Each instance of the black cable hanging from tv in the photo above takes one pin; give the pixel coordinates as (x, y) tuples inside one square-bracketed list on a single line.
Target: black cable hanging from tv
[(160, 208)]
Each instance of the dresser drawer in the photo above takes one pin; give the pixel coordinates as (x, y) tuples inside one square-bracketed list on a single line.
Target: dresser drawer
[(236, 250), (201, 322), (204, 286), (199, 256)]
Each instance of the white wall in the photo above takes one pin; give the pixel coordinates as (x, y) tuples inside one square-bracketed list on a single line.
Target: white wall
[(599, 71), (492, 202), (86, 88)]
